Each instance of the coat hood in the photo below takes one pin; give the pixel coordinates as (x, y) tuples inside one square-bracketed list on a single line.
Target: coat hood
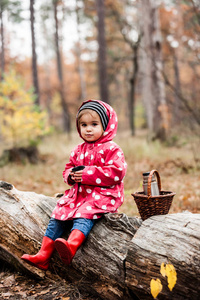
[(111, 128)]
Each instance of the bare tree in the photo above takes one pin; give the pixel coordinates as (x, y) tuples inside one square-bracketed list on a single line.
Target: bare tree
[(102, 64), (184, 102), (78, 52), (14, 10), (125, 28), (34, 55), (152, 65), (66, 115), (2, 44)]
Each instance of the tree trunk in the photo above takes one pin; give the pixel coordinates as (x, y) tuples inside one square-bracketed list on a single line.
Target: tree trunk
[(177, 84), (66, 115), (34, 55), (102, 64), (152, 65), (2, 46), (121, 255), (123, 25), (83, 92), (133, 81)]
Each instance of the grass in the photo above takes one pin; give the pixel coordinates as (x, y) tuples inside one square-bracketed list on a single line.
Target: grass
[(177, 166)]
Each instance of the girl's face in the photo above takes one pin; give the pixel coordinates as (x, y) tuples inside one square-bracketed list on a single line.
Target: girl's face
[(90, 126)]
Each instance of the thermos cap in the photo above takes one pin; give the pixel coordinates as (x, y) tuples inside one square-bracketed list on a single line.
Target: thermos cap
[(146, 173)]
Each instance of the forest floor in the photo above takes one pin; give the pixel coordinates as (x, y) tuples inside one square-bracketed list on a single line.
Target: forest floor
[(16, 286), (178, 163)]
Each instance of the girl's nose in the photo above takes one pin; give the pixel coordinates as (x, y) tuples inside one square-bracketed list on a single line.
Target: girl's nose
[(88, 128)]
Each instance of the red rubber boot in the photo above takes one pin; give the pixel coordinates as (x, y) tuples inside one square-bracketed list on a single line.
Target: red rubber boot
[(67, 249), (42, 258)]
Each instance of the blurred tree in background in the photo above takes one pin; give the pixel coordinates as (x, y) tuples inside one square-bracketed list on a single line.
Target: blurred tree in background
[(153, 88), (66, 115), (181, 55), (13, 9), (21, 121), (102, 60), (34, 54), (149, 62)]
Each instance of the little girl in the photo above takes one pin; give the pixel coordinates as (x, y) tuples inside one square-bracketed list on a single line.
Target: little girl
[(97, 186)]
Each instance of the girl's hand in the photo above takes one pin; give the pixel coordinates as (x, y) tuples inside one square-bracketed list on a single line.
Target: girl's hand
[(76, 176)]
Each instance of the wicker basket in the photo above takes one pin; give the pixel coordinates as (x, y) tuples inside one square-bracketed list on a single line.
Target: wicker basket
[(153, 205)]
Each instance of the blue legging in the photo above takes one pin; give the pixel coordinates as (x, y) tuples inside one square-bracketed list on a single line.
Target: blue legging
[(56, 228)]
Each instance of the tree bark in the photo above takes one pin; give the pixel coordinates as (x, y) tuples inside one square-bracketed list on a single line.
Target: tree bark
[(123, 24), (177, 84), (83, 91), (34, 55), (121, 255), (102, 62), (2, 46), (66, 114), (133, 81), (154, 97)]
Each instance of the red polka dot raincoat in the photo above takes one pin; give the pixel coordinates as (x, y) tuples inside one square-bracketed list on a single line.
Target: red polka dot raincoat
[(101, 189)]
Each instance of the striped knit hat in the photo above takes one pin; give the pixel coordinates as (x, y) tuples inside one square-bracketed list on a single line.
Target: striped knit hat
[(100, 109)]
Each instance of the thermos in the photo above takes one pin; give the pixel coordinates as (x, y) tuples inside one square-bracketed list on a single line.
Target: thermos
[(154, 184)]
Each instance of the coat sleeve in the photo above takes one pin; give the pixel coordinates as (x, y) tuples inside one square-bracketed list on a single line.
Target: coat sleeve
[(69, 166), (111, 172)]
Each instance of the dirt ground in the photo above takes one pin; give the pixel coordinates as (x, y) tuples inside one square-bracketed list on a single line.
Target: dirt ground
[(15, 286)]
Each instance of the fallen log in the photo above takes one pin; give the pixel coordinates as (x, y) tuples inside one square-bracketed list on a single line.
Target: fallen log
[(121, 255)]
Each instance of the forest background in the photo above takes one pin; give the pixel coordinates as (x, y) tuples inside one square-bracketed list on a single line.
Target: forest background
[(142, 57)]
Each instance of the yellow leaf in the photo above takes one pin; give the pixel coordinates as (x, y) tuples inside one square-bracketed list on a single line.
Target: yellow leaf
[(156, 287), (163, 270), (171, 276)]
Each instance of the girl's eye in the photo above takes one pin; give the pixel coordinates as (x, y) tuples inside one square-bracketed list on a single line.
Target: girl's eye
[(83, 125), (94, 124)]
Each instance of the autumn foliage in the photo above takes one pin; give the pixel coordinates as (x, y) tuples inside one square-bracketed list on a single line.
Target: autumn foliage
[(21, 122)]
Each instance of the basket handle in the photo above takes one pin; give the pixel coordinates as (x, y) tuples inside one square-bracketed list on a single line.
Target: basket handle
[(149, 182)]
